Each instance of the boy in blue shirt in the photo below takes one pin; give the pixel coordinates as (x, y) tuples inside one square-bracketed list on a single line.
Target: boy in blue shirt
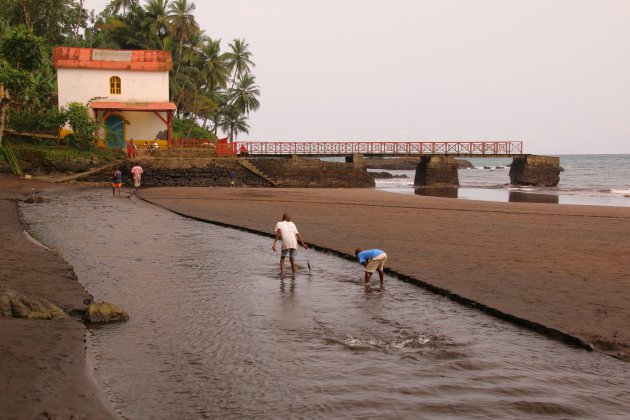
[(373, 260)]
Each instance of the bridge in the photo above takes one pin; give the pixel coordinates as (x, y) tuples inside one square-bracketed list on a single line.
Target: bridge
[(373, 148), (436, 159)]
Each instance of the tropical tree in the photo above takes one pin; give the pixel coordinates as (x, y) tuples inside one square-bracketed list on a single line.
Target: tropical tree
[(233, 123), (157, 23), (182, 25), (244, 96), (21, 54), (239, 59)]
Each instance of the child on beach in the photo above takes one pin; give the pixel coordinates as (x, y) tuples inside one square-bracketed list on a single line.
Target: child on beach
[(372, 260), (116, 181), (287, 231)]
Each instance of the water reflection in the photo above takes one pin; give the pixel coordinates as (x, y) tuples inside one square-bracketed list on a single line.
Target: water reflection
[(524, 197), (215, 333), (446, 192)]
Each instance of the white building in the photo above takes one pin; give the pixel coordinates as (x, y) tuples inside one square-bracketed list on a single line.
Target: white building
[(127, 90)]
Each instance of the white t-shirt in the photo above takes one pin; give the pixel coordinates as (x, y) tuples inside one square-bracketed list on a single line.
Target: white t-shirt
[(288, 232)]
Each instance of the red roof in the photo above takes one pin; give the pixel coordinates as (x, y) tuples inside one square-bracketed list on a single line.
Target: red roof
[(134, 106), (96, 58)]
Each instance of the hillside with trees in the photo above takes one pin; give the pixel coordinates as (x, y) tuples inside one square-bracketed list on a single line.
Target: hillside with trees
[(212, 85)]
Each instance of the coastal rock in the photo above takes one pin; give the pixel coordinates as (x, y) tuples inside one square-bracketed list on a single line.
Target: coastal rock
[(103, 312), (543, 171), (385, 175), (15, 305)]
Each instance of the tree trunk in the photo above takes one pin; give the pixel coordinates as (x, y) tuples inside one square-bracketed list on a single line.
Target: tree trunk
[(27, 15), (3, 107)]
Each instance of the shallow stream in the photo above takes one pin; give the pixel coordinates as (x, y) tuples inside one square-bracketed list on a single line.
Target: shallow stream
[(215, 332)]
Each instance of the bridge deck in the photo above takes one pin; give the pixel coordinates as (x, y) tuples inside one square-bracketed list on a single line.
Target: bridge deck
[(377, 149)]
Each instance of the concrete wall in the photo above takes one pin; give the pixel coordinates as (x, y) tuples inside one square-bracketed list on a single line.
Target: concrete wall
[(437, 171), (81, 85)]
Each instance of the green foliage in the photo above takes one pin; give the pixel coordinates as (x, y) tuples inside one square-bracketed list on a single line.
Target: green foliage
[(21, 49), (183, 128), (47, 121), (84, 128), (47, 155)]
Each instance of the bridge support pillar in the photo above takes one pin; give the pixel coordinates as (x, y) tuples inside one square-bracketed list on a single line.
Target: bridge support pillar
[(436, 171), (542, 171), (356, 159)]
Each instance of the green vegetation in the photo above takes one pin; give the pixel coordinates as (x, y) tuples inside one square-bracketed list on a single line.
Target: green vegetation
[(54, 158), (213, 90)]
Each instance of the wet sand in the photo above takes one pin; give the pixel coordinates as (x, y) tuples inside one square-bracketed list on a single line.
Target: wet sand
[(559, 269), (43, 367)]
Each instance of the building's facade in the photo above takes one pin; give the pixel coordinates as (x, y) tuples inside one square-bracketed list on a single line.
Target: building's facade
[(127, 90)]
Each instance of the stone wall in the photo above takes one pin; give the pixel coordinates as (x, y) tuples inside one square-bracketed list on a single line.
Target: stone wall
[(285, 172), (305, 173), (541, 171)]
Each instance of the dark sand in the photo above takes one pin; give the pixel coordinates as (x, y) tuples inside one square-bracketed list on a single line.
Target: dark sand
[(562, 267), (559, 269), (43, 368)]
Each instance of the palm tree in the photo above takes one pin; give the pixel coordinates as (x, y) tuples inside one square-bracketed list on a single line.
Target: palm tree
[(239, 59), (214, 68), (116, 5), (233, 123), (182, 24), (244, 97), (157, 20)]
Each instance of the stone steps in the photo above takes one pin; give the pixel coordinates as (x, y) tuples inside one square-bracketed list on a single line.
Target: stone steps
[(250, 167)]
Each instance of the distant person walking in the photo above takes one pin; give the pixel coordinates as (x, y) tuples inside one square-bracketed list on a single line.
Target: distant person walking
[(137, 176), (372, 260), (116, 181), (288, 233)]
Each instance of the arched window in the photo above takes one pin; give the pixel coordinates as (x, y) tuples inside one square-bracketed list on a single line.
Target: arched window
[(114, 85)]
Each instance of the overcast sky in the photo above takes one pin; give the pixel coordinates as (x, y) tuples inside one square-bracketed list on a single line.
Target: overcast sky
[(552, 73)]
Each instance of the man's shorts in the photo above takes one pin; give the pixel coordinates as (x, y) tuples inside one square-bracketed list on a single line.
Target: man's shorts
[(116, 184), (291, 251), (136, 182), (376, 263)]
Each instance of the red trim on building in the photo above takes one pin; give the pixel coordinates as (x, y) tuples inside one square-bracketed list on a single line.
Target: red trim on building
[(83, 58), (134, 106)]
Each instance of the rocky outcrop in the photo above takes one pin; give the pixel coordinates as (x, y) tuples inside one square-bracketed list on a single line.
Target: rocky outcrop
[(16, 305), (103, 312), (385, 175), (542, 171)]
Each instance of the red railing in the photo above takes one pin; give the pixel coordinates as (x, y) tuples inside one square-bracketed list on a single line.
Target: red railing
[(472, 148), (346, 148)]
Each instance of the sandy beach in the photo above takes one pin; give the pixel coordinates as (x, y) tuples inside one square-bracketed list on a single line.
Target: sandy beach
[(555, 268), (43, 365), (558, 269)]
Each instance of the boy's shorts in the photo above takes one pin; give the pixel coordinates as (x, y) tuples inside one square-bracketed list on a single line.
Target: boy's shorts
[(116, 184), (376, 264), (291, 251), (136, 182)]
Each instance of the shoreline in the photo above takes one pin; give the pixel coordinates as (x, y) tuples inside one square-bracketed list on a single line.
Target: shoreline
[(551, 283), (44, 365)]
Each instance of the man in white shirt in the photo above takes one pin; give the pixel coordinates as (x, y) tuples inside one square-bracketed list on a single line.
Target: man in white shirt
[(288, 233)]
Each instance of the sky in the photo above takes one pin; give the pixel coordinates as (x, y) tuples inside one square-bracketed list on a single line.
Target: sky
[(554, 74)]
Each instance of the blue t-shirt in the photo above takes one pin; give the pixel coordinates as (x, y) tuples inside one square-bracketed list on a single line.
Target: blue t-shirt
[(117, 177), (364, 256)]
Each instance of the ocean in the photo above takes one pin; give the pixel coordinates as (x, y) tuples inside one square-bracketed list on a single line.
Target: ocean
[(602, 180)]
